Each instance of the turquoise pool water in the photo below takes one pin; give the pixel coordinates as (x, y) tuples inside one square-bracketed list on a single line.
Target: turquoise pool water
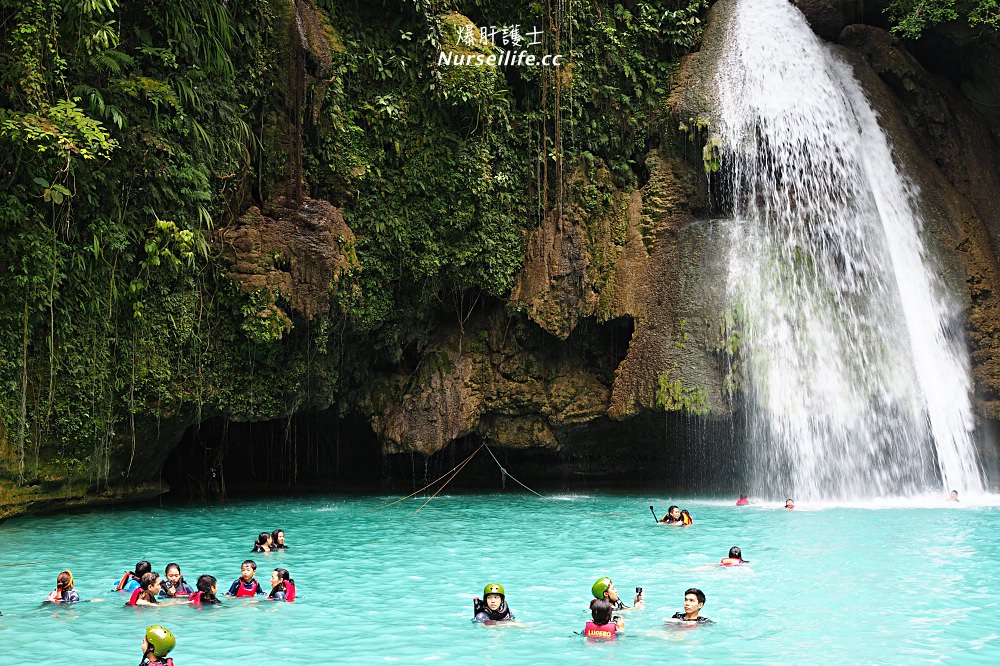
[(891, 585)]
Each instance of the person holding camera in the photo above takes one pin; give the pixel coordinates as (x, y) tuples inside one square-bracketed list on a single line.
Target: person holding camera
[(605, 589), (174, 584)]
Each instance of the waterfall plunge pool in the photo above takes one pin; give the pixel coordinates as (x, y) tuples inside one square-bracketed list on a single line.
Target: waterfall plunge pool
[(898, 582)]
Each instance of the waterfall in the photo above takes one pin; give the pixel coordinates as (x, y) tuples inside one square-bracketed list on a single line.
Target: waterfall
[(855, 369)]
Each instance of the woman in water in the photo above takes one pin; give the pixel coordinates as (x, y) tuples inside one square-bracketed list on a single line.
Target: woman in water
[(686, 517), (493, 607), (282, 586), (64, 592), (262, 544), (673, 516), (278, 540), (735, 558)]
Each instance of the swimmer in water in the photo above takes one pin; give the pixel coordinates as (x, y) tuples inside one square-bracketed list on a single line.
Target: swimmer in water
[(207, 589), (789, 503), (174, 584), (262, 544), (603, 624), (694, 600), (64, 592), (673, 516), (735, 558), (605, 589), (145, 594), (282, 586), (953, 497), (686, 518), (278, 540), (743, 500), (156, 644), (493, 607), (246, 585), (130, 581)]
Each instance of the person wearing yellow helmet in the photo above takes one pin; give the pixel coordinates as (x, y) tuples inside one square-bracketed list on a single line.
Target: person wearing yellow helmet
[(156, 644), (605, 589), (493, 607)]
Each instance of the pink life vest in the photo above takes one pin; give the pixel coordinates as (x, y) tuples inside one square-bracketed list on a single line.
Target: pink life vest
[(593, 630), (289, 590), (743, 501)]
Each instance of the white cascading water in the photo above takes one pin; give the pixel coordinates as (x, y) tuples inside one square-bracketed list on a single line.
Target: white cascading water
[(857, 374)]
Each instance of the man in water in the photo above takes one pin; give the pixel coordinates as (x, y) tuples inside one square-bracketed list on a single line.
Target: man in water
[(789, 503), (694, 600), (953, 497)]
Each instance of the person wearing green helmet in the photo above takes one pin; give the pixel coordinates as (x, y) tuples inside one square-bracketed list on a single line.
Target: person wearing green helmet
[(157, 642), (605, 589), (493, 607)]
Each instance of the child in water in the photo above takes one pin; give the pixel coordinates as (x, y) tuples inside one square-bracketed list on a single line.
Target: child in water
[(246, 585), (686, 517), (64, 592), (156, 644), (735, 558), (603, 624), (493, 607), (282, 586), (207, 589), (130, 580), (262, 544), (145, 594), (694, 600), (278, 540), (174, 585)]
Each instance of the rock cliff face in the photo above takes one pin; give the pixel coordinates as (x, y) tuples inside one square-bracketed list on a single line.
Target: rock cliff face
[(650, 257), (619, 312)]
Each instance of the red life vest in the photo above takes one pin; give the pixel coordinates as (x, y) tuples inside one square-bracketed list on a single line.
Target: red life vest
[(196, 597), (243, 591), (289, 590), (593, 630), (742, 501), (730, 561), (132, 601)]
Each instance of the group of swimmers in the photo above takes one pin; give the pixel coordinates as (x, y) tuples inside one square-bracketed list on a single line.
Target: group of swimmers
[(145, 587), (604, 623)]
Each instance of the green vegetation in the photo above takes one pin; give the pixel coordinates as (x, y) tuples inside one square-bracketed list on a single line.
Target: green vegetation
[(673, 396), (130, 133), (911, 17)]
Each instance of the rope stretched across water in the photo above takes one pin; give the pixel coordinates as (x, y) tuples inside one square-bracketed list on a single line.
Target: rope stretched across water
[(454, 472), (402, 499), (506, 473)]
